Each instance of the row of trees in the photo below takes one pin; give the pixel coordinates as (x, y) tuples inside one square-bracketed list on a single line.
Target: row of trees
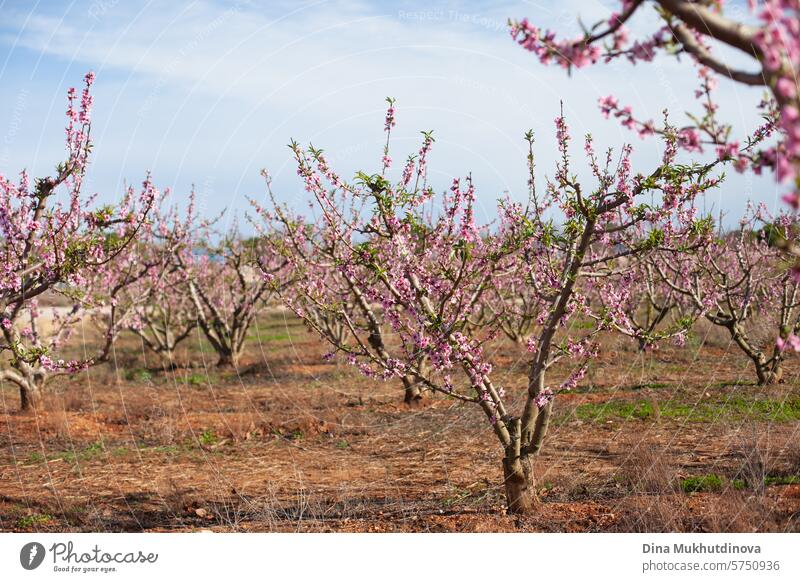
[(401, 282), (141, 266), (404, 284)]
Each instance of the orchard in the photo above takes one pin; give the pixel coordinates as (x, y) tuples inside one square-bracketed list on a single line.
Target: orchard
[(608, 353)]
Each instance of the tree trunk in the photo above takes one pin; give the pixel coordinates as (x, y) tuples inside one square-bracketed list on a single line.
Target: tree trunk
[(520, 486), (413, 394), (228, 359), (167, 359), (768, 373), (30, 397), (518, 478)]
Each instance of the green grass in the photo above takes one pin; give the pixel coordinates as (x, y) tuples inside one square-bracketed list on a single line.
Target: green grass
[(587, 388), (650, 385), (93, 451), (459, 494), (714, 483), (271, 337), (34, 520), (197, 379), (36, 457), (708, 483), (138, 375), (295, 435), (782, 480), (602, 412), (207, 437), (735, 408)]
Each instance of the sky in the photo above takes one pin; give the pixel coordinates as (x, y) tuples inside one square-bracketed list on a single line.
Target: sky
[(208, 93)]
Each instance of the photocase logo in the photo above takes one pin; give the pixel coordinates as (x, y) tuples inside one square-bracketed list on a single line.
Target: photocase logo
[(31, 555)]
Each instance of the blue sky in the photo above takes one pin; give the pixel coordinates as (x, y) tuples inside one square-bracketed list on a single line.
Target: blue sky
[(210, 92)]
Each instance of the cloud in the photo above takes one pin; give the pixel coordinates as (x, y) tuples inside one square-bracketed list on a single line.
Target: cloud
[(210, 92)]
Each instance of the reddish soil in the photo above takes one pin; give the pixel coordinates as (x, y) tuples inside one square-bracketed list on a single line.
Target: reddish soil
[(291, 443)]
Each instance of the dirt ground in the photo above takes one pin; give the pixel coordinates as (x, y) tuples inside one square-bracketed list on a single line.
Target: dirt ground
[(674, 440)]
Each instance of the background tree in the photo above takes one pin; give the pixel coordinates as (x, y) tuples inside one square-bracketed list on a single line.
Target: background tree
[(325, 294), (739, 282), (640, 305), (161, 310), (226, 287)]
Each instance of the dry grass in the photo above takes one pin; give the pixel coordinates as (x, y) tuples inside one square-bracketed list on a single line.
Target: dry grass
[(647, 470), (291, 443)]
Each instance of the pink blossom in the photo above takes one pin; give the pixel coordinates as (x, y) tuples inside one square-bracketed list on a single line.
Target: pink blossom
[(786, 88)]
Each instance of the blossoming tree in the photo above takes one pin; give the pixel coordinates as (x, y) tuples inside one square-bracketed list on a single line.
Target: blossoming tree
[(325, 295), (639, 304), (739, 281), (55, 244), (427, 265), (158, 305), (225, 285)]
